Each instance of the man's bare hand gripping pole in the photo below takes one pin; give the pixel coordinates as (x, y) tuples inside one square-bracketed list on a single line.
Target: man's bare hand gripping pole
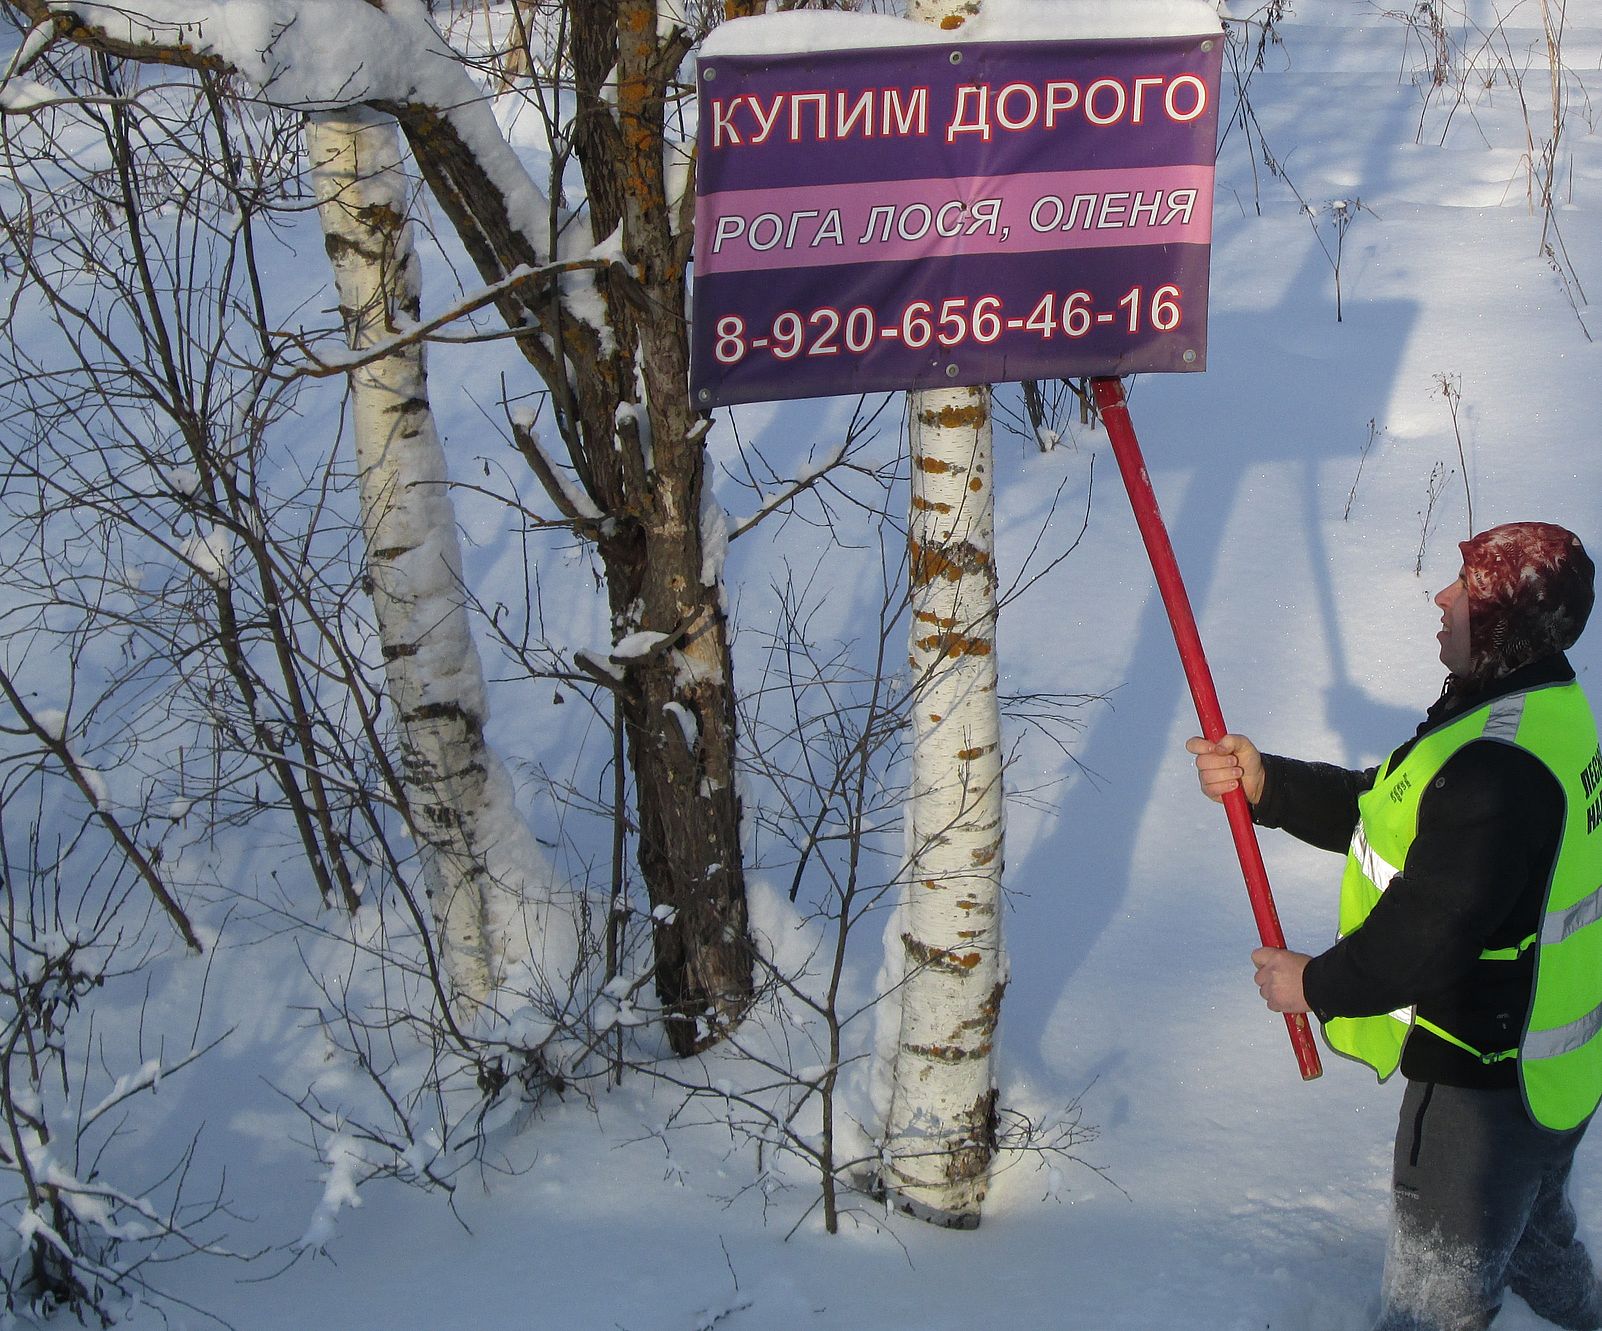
[(1114, 410), (1234, 764)]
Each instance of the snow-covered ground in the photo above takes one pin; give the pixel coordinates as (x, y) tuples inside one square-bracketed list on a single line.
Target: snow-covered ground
[(1222, 1193)]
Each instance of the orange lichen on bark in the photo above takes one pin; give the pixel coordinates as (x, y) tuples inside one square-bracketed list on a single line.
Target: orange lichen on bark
[(952, 418), (955, 644), (952, 563), (950, 1053), (939, 958)]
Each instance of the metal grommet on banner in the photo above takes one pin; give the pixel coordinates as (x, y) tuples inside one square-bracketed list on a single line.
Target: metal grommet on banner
[(956, 57), (1189, 357), (704, 394), (709, 74), (952, 371), (1207, 46)]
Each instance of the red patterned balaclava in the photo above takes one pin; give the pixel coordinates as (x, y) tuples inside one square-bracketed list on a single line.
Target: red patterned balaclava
[(1530, 591)]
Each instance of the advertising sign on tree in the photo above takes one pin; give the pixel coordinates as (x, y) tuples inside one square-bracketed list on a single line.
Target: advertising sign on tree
[(947, 214)]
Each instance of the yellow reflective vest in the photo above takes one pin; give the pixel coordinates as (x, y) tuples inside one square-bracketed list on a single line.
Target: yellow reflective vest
[(1560, 1053)]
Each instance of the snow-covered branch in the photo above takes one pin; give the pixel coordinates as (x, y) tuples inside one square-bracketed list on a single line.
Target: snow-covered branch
[(804, 481), (326, 362)]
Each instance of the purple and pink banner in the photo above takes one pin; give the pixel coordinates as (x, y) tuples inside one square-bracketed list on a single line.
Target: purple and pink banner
[(938, 214)]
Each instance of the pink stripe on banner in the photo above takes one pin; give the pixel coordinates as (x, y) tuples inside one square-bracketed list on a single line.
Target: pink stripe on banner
[(750, 230)]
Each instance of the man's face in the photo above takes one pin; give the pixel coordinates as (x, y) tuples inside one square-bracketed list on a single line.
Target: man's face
[(1453, 603)]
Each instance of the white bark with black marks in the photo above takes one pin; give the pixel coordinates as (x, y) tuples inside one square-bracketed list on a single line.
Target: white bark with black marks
[(940, 1134), (941, 1129), (484, 874)]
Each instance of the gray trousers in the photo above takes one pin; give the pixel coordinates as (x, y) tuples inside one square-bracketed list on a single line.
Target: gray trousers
[(1481, 1203)]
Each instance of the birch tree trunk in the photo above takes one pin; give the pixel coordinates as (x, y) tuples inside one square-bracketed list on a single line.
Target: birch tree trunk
[(941, 1129), (481, 866), (940, 1133)]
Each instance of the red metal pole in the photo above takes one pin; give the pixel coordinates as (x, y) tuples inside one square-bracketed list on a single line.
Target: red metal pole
[(1143, 499)]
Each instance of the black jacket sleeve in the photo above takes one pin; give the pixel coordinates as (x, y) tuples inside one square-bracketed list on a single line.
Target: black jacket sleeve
[(1314, 802), (1487, 829)]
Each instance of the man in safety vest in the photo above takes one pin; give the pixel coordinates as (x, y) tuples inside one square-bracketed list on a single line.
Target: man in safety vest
[(1470, 950)]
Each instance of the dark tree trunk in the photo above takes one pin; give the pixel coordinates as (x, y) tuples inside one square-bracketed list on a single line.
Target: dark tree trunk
[(689, 808)]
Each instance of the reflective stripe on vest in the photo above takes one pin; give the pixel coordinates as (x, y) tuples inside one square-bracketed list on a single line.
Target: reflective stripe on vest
[(1562, 1039), (1506, 714), (1374, 868), (1559, 924), (1560, 1054)]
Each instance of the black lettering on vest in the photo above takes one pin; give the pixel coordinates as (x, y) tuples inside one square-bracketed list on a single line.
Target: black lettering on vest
[(1591, 777), (1593, 816), (1399, 791)]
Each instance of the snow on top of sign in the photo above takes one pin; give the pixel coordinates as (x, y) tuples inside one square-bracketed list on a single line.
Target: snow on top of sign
[(800, 31)]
